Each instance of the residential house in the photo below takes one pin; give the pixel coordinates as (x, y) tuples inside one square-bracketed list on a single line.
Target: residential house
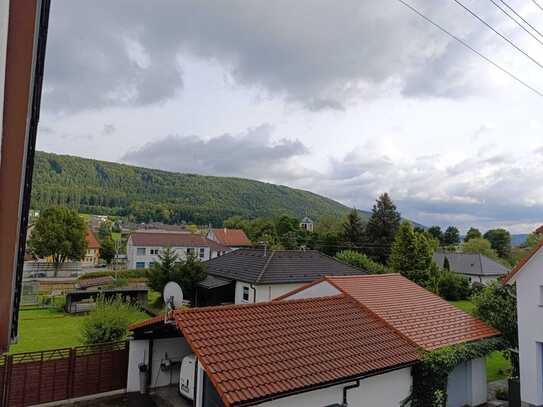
[(307, 224), (232, 238), (143, 248), (528, 277), (92, 255), (255, 275), (476, 267), (344, 340)]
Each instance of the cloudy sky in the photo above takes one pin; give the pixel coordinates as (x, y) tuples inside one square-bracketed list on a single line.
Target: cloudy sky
[(347, 99)]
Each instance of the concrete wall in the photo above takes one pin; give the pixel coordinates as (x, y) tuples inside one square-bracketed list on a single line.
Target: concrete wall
[(530, 325), (173, 349), (386, 390), (467, 385), (265, 292)]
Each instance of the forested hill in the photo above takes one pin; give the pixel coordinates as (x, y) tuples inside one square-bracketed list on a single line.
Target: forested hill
[(116, 189)]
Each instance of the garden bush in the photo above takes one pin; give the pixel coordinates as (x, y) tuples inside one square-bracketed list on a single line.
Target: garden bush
[(362, 261), (453, 287), (124, 274), (109, 321)]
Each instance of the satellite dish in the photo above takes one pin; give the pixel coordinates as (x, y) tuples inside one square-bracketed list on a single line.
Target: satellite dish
[(173, 295)]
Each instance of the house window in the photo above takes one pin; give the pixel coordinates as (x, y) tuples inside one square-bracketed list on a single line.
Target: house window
[(140, 251), (152, 264), (245, 295), (153, 251), (202, 252), (190, 251), (140, 264)]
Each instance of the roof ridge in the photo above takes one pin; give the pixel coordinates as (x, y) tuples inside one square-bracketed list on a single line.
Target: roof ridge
[(377, 316), (522, 262), (264, 268)]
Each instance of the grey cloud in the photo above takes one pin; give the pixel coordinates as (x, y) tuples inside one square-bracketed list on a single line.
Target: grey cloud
[(108, 129), (251, 154), (321, 53)]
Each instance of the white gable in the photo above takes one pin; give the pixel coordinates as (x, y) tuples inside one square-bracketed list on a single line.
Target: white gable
[(322, 289)]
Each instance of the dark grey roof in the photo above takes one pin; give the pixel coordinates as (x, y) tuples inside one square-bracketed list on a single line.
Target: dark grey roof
[(211, 282), (277, 266), (471, 264)]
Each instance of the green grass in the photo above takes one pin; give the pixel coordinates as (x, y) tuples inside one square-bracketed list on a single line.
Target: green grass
[(497, 366), (464, 305), (43, 329)]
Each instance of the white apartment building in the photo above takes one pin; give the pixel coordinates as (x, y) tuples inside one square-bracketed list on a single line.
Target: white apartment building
[(143, 248)]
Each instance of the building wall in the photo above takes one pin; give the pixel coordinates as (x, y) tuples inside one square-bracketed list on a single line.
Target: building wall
[(467, 384), (386, 390), (322, 289), (530, 326), (266, 292), (173, 349), (134, 258)]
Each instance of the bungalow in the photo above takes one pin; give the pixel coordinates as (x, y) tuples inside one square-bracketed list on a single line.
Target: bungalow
[(349, 340), (307, 224), (529, 283), (255, 275), (232, 238), (143, 248), (478, 268)]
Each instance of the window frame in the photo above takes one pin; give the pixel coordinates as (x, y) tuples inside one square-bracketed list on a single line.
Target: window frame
[(245, 291)]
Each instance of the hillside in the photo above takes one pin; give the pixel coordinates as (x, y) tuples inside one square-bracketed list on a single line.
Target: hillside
[(116, 189)]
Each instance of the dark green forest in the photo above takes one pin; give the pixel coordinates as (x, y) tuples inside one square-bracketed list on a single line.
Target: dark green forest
[(144, 195)]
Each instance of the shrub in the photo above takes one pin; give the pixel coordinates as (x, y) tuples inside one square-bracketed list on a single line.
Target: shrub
[(362, 261), (124, 274), (453, 287), (502, 393), (109, 321)]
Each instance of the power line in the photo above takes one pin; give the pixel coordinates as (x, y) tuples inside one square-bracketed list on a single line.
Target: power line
[(522, 18), (516, 22), (535, 61), (465, 44), (538, 5)]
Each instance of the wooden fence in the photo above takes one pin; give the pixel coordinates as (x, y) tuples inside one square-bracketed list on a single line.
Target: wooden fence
[(40, 377)]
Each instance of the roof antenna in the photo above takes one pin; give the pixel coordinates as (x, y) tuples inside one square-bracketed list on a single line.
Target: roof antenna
[(265, 244)]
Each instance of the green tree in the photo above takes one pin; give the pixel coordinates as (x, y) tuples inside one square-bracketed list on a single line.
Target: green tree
[(353, 229), (473, 233), (451, 236), (329, 224), (362, 261), (533, 239), (496, 304), (446, 264), (436, 233), (382, 227), (453, 287), (411, 254), (500, 239), (104, 231), (187, 273), (107, 250), (109, 321), (287, 229), (59, 233), (480, 246)]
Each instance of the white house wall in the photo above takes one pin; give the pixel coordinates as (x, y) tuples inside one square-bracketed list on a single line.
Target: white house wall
[(322, 289), (148, 258), (265, 292), (386, 390), (530, 328), (173, 349)]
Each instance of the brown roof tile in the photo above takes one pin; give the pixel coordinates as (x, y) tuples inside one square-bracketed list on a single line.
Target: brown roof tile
[(172, 239), (423, 317), (232, 237), (92, 242), (94, 282), (255, 351)]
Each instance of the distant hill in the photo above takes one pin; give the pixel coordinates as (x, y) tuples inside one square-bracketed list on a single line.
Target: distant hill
[(517, 240), (107, 188)]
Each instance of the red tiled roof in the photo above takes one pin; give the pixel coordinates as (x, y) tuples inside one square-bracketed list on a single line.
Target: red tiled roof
[(232, 237), (539, 230), (172, 239), (148, 322), (522, 262), (252, 352), (423, 317), (92, 242)]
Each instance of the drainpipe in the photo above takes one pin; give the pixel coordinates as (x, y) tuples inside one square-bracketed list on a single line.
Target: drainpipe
[(346, 389), (254, 293)]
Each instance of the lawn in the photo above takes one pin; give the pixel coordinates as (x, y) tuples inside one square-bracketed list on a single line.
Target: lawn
[(42, 329), (465, 305)]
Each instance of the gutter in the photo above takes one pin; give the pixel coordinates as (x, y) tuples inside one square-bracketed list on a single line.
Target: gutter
[(338, 382)]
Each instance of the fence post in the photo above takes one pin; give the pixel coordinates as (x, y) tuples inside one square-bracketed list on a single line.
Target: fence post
[(71, 372), (8, 363)]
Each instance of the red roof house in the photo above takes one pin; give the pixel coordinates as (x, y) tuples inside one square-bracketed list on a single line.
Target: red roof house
[(234, 238), (368, 329)]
